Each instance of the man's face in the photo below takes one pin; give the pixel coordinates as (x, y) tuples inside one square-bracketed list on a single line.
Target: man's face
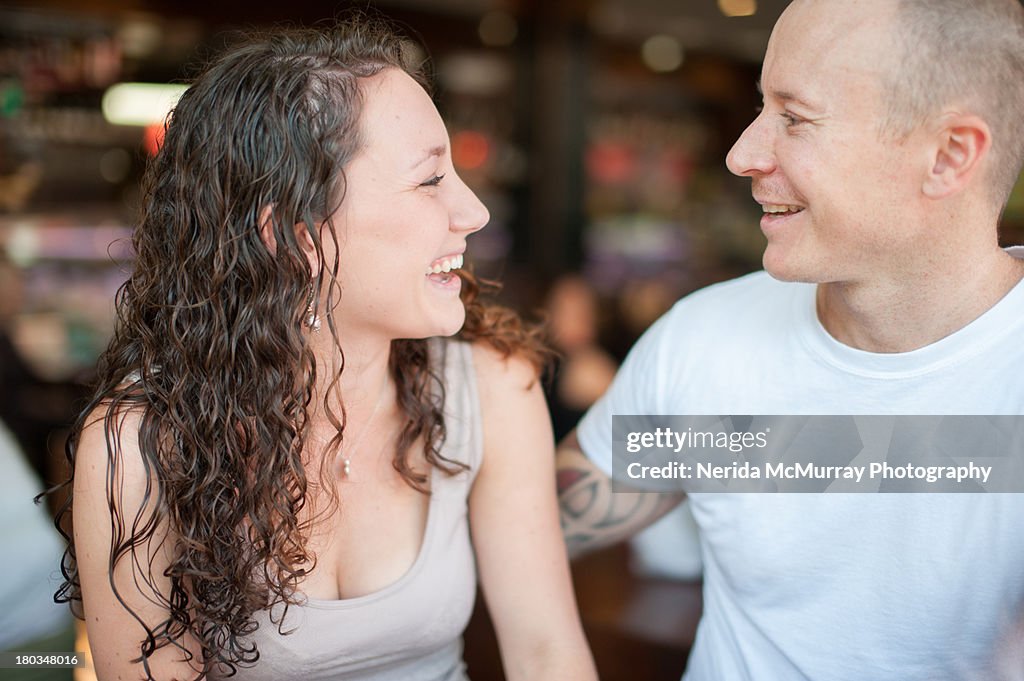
[(837, 196)]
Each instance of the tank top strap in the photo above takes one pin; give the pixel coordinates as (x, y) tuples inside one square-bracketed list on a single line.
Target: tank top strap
[(462, 418)]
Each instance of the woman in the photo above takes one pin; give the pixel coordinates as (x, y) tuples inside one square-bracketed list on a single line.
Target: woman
[(278, 475)]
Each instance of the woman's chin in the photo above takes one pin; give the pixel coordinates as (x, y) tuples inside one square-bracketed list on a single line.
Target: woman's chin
[(454, 325), (442, 324)]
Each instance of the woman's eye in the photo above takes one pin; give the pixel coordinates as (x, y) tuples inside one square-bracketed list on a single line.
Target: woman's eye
[(433, 182)]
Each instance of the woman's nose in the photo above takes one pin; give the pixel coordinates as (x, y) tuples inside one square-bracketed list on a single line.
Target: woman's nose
[(468, 214)]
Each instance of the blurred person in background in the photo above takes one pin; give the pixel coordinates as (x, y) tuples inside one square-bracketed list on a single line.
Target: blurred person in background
[(288, 470), (583, 369), (889, 141), (30, 621), (669, 548), (17, 378), (32, 407)]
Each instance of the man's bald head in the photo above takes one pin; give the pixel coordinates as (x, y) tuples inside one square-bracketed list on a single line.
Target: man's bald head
[(968, 56)]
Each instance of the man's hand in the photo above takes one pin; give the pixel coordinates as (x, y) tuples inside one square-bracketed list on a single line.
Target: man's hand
[(592, 515)]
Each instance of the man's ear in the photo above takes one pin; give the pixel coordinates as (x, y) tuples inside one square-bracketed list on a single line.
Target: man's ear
[(302, 237), (961, 144)]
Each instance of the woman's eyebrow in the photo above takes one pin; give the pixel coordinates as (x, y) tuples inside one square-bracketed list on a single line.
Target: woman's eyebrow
[(439, 150)]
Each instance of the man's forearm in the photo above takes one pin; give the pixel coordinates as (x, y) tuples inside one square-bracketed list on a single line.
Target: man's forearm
[(592, 515)]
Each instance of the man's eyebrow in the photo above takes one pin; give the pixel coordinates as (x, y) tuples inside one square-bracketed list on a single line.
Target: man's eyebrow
[(439, 150), (786, 96)]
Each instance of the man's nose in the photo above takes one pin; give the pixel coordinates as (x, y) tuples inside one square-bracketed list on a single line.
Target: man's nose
[(753, 153)]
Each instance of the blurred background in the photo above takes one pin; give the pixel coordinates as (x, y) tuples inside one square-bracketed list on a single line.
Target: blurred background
[(594, 130)]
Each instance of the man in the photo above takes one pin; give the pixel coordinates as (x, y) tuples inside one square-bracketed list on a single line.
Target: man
[(890, 139)]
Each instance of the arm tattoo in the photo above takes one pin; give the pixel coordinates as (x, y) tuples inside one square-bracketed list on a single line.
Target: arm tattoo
[(593, 515)]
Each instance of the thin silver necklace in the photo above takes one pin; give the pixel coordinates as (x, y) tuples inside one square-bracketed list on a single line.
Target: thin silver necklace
[(346, 461)]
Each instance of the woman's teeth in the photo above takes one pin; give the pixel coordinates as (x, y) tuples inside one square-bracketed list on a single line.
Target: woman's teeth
[(445, 265)]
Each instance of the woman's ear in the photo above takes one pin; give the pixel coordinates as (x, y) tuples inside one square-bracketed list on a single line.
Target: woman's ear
[(308, 247), (302, 237), (267, 229)]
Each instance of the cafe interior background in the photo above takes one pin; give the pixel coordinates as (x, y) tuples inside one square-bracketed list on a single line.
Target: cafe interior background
[(595, 131)]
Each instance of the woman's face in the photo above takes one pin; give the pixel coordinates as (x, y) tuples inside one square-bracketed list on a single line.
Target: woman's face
[(405, 213)]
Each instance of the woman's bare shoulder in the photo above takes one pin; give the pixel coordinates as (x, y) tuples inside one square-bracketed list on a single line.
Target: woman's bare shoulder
[(498, 372)]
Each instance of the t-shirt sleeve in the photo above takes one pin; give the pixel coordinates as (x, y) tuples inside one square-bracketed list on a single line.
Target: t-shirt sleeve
[(639, 388)]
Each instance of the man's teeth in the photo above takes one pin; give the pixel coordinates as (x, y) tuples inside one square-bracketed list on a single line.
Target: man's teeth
[(446, 265), (778, 208)]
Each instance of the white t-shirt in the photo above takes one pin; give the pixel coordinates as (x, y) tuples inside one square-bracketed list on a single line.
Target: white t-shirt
[(32, 549), (899, 587)]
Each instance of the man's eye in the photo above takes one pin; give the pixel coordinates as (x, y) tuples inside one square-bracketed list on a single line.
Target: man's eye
[(433, 182), (790, 119)]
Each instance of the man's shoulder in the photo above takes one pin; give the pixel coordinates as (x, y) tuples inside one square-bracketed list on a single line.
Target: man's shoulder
[(755, 281), (728, 316), (749, 297)]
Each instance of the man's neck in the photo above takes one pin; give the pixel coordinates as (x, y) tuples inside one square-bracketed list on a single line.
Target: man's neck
[(912, 311)]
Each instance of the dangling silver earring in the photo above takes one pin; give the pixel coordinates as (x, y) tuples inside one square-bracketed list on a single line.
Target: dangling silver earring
[(312, 318)]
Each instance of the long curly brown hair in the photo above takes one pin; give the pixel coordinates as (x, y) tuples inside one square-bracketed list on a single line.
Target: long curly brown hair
[(209, 342)]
